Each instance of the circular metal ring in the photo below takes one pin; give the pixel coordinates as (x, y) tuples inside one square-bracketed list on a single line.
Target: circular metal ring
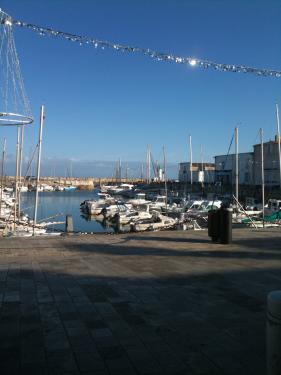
[(14, 119)]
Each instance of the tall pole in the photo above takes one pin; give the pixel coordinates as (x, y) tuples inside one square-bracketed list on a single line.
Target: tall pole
[(165, 177), (38, 166), (20, 169), (148, 164), (202, 161), (236, 166), (190, 160), (2, 173), (17, 176), (278, 140), (262, 174), (202, 168), (120, 173)]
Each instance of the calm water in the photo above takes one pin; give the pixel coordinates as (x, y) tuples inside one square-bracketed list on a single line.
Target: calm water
[(65, 203)]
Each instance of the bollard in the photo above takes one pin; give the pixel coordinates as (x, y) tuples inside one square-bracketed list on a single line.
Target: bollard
[(69, 224), (273, 333), (225, 225)]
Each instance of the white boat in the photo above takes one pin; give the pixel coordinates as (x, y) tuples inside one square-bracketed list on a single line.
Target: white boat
[(196, 205), (119, 188), (104, 196), (70, 188), (130, 216), (273, 205), (23, 189), (111, 209), (8, 189), (40, 188), (47, 187), (158, 202), (94, 207), (104, 188), (157, 222), (138, 200)]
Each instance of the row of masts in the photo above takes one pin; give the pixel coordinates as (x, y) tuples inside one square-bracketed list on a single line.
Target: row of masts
[(237, 157), (18, 172)]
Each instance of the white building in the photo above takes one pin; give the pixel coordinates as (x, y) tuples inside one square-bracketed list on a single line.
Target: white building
[(207, 175), (271, 163), (225, 167)]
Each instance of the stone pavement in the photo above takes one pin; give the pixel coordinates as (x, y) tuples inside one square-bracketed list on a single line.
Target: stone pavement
[(151, 303)]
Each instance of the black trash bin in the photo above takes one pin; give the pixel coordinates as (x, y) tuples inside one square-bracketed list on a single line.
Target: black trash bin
[(214, 225), (225, 226)]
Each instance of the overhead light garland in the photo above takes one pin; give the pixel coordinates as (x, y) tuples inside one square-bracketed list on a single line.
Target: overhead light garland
[(191, 61)]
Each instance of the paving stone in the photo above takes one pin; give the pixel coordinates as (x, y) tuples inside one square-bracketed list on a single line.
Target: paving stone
[(153, 303), (90, 362)]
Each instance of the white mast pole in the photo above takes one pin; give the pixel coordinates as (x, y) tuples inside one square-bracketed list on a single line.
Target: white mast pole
[(236, 165), (20, 169), (165, 178), (278, 140), (42, 117), (190, 163), (262, 174), (16, 177), (2, 173), (148, 161), (202, 168), (202, 162)]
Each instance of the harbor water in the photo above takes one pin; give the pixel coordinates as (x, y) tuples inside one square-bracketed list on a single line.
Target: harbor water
[(54, 206)]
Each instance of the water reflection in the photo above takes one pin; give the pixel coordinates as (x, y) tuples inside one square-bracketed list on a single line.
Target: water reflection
[(68, 203), (107, 225)]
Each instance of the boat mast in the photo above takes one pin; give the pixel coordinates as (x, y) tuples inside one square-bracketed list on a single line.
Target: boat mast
[(202, 162), (165, 178), (20, 169), (278, 140), (16, 177), (2, 173), (119, 171), (236, 166), (202, 168), (141, 172), (262, 174), (148, 164), (127, 172), (42, 117), (190, 163)]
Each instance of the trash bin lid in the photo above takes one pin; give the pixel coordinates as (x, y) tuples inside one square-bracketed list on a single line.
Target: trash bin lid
[(274, 303)]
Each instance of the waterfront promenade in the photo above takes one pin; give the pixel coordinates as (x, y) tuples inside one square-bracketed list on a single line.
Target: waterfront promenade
[(151, 303)]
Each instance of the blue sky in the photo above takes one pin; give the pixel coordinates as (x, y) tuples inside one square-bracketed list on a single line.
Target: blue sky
[(102, 105)]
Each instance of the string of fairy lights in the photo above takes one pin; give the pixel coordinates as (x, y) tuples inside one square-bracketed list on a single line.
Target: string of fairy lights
[(155, 55)]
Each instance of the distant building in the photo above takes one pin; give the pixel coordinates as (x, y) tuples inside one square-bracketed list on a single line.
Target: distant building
[(205, 175), (271, 163), (249, 166), (225, 166)]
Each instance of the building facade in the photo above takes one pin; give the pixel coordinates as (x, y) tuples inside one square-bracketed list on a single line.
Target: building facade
[(225, 168), (250, 166), (271, 163), (200, 173)]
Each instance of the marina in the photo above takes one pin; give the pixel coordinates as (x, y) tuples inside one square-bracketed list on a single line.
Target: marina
[(140, 207)]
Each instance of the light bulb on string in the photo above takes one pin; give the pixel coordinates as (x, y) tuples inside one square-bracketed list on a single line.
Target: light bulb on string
[(192, 62)]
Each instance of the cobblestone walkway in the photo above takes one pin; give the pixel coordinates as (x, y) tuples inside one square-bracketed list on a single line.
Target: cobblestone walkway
[(157, 303)]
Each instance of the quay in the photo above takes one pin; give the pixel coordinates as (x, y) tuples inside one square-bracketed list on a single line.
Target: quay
[(150, 303)]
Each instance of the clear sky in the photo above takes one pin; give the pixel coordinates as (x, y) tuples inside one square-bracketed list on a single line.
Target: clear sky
[(102, 105)]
